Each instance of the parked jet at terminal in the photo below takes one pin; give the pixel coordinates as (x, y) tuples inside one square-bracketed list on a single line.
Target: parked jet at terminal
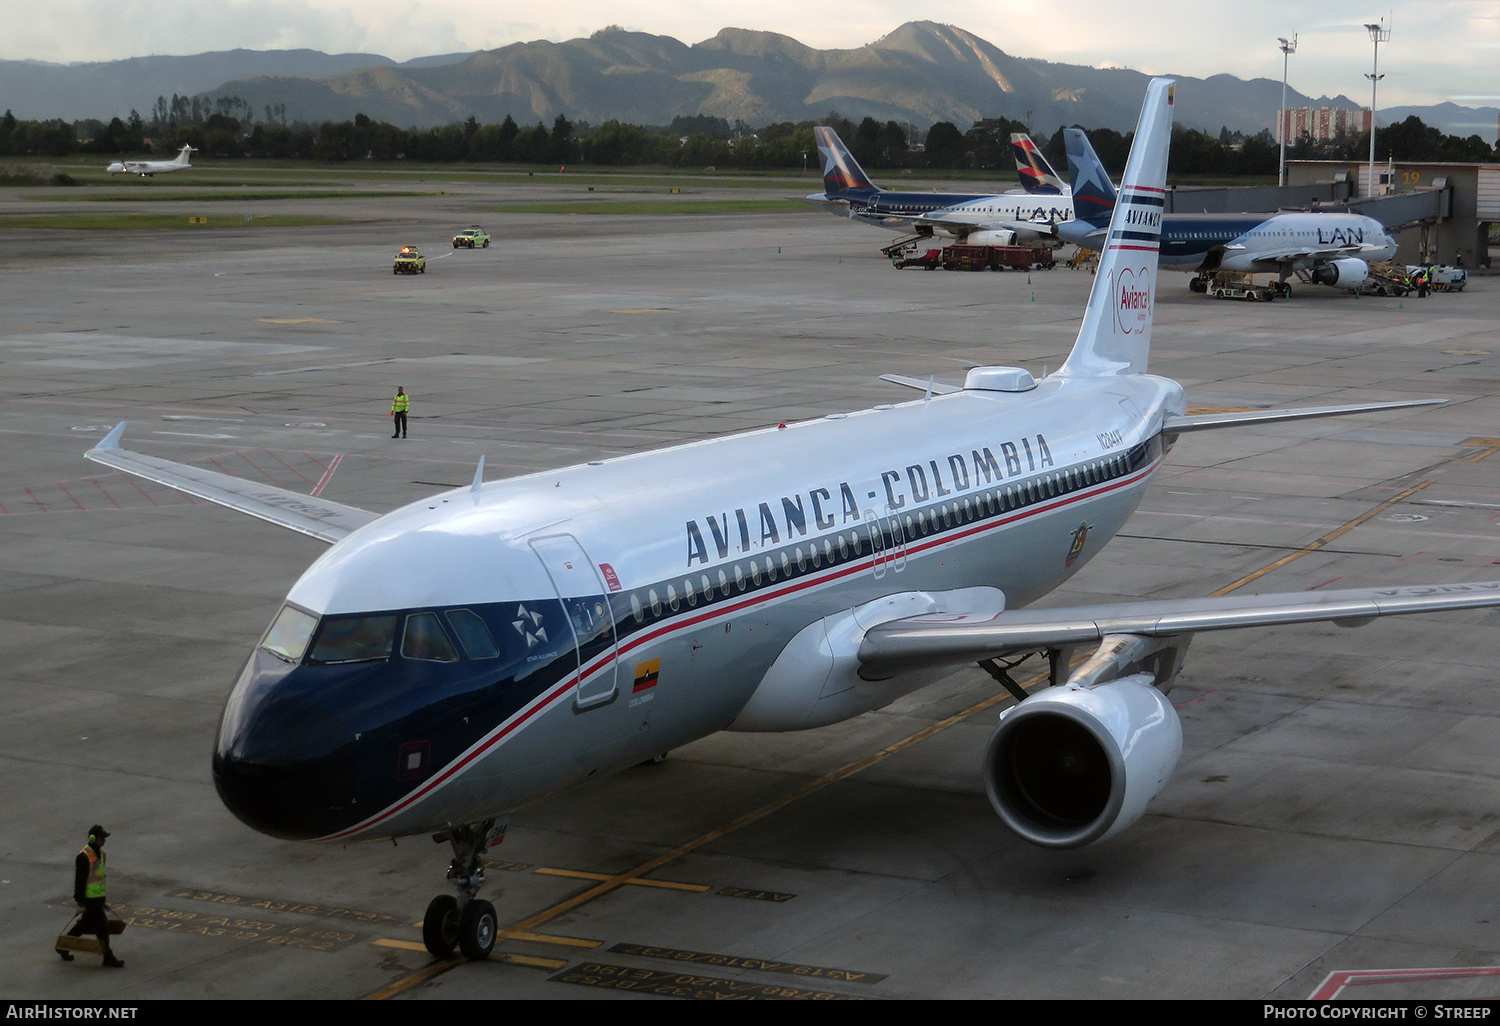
[(992, 218), (147, 168), (1329, 247), (440, 666)]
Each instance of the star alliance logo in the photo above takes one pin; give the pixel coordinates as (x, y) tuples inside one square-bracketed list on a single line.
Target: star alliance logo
[(529, 626)]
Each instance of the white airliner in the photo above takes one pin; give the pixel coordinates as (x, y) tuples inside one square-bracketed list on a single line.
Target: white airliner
[(442, 665), (147, 168), (977, 219), (1328, 247)]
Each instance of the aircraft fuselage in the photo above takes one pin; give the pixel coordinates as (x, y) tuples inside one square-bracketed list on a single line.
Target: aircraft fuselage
[(674, 601)]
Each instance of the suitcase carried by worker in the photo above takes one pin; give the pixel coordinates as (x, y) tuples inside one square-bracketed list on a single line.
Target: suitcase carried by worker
[(87, 945)]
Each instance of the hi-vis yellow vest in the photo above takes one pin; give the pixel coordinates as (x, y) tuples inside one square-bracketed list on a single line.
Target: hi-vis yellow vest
[(94, 886), (400, 403)]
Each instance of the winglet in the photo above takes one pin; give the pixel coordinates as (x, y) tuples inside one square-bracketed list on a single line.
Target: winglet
[(112, 440), (478, 477), (1115, 337)]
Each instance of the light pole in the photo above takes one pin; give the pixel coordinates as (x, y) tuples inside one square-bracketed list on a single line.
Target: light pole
[(1378, 34), (1287, 49)]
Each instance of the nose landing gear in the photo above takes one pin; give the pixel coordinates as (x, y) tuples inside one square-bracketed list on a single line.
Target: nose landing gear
[(465, 921)]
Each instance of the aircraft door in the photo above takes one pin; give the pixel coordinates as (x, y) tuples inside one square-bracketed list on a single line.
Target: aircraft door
[(887, 541), (583, 597)]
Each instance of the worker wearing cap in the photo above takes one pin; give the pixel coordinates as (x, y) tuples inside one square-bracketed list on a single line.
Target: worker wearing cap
[(88, 892)]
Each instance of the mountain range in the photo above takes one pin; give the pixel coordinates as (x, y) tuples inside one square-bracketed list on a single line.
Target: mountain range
[(920, 73)]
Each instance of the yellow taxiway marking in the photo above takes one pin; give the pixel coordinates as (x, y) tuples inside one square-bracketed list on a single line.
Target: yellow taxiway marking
[(1330, 536), (531, 960), (297, 320), (1492, 446), (579, 874)]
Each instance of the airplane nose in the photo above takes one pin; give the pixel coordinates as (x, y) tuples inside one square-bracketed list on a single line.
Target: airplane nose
[(285, 765)]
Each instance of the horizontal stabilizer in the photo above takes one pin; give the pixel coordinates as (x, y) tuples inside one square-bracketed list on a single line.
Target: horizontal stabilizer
[(1210, 421), (921, 384), (918, 642), (324, 520)]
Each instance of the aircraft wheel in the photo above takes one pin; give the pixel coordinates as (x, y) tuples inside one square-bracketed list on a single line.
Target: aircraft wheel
[(1286, 292), (440, 925), (476, 930)]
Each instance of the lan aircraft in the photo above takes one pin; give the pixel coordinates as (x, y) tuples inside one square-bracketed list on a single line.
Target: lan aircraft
[(442, 665), (1328, 248), (988, 219), (147, 168)]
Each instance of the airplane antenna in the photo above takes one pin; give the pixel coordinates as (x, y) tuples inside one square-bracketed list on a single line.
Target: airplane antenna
[(478, 477), (930, 380)]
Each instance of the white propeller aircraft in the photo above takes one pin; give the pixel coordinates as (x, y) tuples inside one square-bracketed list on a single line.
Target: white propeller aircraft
[(147, 168), (442, 665)]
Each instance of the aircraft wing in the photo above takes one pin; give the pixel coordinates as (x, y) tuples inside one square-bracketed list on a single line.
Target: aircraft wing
[(1042, 228), (1296, 253), (937, 640), (1237, 418), (308, 514)]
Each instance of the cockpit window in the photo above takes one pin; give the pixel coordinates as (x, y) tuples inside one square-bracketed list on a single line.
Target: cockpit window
[(424, 639), (289, 634), (472, 634), (351, 639)]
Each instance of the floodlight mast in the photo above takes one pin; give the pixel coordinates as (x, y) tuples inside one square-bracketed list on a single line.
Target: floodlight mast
[(1378, 34), (1287, 49)]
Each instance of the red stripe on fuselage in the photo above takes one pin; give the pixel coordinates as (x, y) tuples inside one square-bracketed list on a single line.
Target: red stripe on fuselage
[(602, 661)]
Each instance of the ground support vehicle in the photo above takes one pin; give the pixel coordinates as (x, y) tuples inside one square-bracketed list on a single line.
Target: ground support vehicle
[(998, 258), (1234, 285), (928, 260), (914, 252), (409, 261), (1442, 278), (471, 237), (1385, 280)]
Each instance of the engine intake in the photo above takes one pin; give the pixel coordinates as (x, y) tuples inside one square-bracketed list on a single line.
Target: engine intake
[(1079, 763), (1345, 272)]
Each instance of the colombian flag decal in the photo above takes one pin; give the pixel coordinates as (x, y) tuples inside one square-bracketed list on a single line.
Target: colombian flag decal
[(645, 674)]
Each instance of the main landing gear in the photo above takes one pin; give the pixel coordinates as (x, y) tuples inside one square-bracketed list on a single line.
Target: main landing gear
[(465, 921)]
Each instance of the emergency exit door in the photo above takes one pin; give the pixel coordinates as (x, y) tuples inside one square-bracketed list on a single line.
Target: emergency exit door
[(578, 585)]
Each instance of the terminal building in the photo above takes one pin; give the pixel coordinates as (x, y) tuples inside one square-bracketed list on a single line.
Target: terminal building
[(1447, 211)]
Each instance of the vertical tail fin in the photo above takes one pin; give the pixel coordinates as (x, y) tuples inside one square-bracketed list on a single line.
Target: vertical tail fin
[(1116, 334), (182, 155), (1093, 192), (841, 172), (1037, 176)]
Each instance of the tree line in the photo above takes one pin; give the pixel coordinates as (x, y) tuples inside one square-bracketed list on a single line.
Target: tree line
[(228, 127)]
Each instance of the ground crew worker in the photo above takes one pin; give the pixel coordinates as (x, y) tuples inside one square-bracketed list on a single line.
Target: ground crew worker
[(399, 406), (88, 892)]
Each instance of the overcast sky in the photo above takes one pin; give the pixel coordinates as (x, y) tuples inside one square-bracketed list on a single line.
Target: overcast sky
[(1439, 49)]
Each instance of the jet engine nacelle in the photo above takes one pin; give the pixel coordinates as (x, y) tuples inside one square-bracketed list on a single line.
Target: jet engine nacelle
[(1345, 272), (1078, 763), (991, 237)]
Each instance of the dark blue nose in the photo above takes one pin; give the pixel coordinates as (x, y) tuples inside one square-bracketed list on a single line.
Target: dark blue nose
[(284, 763)]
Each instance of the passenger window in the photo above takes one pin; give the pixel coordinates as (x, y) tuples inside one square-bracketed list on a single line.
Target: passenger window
[(289, 634), (475, 637), (424, 639), (352, 639)]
